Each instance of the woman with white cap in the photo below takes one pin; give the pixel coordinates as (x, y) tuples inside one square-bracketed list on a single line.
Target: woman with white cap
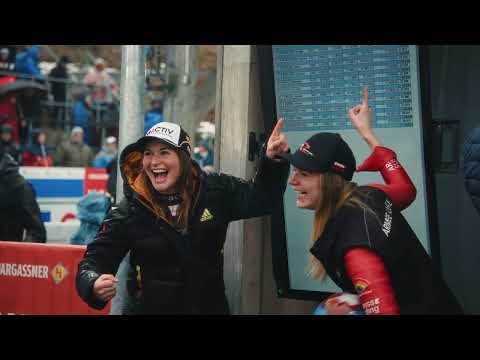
[(174, 220)]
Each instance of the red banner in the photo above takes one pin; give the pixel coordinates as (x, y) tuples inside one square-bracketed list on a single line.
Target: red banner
[(95, 180), (39, 279)]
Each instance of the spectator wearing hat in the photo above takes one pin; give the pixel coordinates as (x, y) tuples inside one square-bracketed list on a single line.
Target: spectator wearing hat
[(103, 87), (7, 145), (4, 56), (106, 155), (38, 153), (9, 109), (73, 152), (6, 63)]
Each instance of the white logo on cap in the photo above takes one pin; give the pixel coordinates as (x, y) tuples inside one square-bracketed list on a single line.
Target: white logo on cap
[(166, 131), (305, 148)]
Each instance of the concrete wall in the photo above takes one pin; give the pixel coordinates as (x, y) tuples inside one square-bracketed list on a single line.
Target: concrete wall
[(248, 265), (234, 127)]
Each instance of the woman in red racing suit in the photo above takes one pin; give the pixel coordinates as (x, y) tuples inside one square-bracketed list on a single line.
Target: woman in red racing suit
[(360, 238)]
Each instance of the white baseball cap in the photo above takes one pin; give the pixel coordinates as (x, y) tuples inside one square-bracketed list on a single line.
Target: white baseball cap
[(169, 133)]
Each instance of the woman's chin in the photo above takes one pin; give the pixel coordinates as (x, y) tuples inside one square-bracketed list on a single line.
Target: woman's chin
[(300, 204), (162, 187), (304, 205)]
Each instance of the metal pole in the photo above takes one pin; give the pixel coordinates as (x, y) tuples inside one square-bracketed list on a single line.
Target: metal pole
[(98, 122), (132, 88), (218, 109), (186, 71)]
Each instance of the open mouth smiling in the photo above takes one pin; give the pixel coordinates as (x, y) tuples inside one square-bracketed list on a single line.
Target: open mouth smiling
[(160, 174)]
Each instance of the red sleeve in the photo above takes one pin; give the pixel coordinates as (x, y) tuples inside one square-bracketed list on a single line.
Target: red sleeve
[(399, 187), (371, 281)]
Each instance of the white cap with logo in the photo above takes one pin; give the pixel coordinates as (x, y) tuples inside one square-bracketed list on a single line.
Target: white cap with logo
[(169, 133)]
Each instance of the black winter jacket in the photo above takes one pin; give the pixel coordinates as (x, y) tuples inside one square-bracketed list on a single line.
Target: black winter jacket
[(471, 167), (12, 149), (179, 273), (19, 209), (418, 286)]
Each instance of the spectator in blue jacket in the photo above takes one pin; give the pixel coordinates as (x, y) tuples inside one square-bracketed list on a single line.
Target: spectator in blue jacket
[(154, 115), (203, 154), (82, 116), (92, 209), (471, 166), (106, 155), (26, 62)]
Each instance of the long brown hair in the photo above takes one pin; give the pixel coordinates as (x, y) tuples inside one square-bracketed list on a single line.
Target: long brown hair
[(336, 191), (187, 186)]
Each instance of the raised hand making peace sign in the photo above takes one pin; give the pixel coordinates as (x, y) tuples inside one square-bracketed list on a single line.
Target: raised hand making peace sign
[(277, 143)]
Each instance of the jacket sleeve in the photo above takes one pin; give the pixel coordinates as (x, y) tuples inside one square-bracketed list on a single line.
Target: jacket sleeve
[(398, 185), (32, 68), (30, 215), (471, 167), (258, 197), (372, 282), (103, 254)]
